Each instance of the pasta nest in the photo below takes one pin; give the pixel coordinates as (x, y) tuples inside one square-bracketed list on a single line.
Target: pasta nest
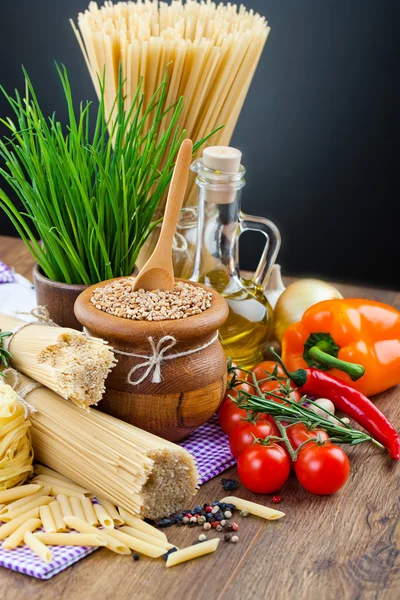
[(16, 454)]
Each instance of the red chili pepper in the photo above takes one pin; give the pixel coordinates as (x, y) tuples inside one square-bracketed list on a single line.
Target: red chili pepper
[(352, 402)]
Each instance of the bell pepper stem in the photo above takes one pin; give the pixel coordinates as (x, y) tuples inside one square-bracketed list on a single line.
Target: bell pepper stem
[(353, 370)]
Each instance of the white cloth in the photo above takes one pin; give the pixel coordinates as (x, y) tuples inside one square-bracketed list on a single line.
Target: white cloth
[(18, 297)]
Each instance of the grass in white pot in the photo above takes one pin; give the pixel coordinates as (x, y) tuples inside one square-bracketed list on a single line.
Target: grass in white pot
[(91, 197)]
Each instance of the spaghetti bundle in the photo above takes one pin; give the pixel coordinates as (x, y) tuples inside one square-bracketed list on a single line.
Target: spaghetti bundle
[(131, 468), (64, 360), (16, 454), (210, 51)]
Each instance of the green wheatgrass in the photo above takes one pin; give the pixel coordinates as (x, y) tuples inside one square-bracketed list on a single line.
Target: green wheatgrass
[(91, 197)]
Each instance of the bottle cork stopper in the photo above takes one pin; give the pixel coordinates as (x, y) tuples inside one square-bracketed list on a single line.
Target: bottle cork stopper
[(222, 158), (225, 160)]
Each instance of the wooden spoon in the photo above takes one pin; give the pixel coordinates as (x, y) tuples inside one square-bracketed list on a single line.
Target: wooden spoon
[(158, 272)]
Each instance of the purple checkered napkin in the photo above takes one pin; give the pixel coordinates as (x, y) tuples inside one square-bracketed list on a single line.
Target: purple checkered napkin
[(23, 560), (6, 275), (208, 445)]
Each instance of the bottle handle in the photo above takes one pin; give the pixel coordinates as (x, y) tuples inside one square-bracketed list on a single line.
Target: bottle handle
[(271, 248)]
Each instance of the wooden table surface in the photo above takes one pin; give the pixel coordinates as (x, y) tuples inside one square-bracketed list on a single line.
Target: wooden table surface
[(340, 547)]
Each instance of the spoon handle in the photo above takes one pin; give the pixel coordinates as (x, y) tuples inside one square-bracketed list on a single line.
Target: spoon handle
[(176, 194)]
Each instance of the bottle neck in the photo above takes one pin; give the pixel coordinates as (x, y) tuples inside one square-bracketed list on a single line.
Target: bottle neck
[(216, 260)]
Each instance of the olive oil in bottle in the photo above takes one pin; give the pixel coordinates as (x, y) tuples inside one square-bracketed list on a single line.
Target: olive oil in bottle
[(220, 178)]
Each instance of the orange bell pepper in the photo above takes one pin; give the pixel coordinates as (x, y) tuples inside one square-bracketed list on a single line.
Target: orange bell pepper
[(334, 334)]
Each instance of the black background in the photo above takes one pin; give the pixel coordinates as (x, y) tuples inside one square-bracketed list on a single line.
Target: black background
[(317, 129)]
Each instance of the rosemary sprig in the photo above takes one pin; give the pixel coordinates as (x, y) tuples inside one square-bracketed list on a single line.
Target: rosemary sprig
[(89, 190), (5, 355), (287, 412)]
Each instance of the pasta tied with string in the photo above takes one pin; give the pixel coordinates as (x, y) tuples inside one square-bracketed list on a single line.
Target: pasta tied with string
[(16, 454)]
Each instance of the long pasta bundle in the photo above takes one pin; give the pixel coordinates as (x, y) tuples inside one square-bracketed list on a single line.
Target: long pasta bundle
[(16, 454), (131, 468), (64, 360), (211, 52)]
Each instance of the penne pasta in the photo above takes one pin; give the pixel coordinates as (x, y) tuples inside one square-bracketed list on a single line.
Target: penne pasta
[(19, 492), (22, 509), (103, 517), (137, 523), (57, 516), (180, 556), (17, 537), (45, 491), (47, 519), (140, 535), (90, 515), (255, 509), (63, 489), (54, 481), (137, 545), (37, 547), (71, 539), (76, 506), (65, 506), (42, 470), (8, 528), (112, 511), (83, 527)]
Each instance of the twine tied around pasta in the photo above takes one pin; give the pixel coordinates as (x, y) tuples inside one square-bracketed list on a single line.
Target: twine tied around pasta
[(152, 363), (43, 318), (13, 383)]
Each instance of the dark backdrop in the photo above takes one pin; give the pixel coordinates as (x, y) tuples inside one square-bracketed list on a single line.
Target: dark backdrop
[(316, 132)]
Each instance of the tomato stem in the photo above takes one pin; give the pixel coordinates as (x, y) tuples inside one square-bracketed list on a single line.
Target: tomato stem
[(282, 431)]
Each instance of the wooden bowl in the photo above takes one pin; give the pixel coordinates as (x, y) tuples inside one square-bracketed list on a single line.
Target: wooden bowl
[(58, 298), (191, 387)]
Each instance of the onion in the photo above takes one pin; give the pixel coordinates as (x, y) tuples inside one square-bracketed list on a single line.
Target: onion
[(297, 298)]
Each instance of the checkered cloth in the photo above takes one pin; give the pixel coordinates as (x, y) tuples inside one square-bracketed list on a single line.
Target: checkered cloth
[(6, 275), (210, 448), (209, 445)]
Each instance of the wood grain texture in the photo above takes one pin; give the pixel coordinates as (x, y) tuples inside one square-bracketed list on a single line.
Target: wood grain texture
[(59, 299), (344, 547)]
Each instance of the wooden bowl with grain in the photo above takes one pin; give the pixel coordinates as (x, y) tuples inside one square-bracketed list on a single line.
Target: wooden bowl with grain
[(190, 387)]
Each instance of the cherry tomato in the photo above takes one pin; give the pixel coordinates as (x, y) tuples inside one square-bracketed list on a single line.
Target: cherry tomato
[(235, 391), (298, 434), (263, 469), (242, 434), (264, 369), (272, 386), (239, 374), (230, 415), (322, 469)]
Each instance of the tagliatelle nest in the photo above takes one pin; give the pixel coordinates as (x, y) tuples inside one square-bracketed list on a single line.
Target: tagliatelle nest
[(16, 454)]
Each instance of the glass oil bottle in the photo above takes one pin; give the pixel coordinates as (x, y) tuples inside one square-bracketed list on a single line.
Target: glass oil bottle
[(220, 178)]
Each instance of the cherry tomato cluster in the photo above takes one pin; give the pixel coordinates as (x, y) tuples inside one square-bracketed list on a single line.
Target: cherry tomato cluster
[(321, 467)]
